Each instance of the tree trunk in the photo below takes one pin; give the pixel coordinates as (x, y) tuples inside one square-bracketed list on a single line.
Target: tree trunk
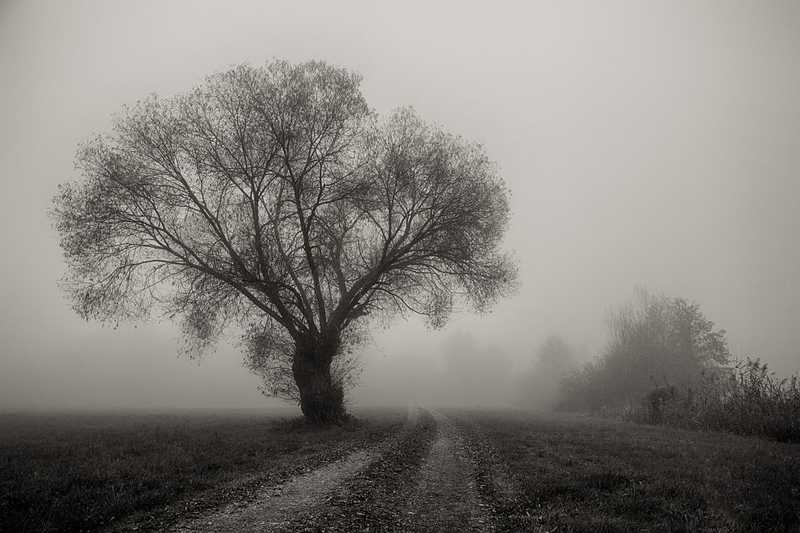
[(321, 398)]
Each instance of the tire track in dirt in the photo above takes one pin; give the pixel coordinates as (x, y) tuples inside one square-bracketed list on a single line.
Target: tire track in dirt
[(447, 496), (375, 499), (496, 483), (274, 508), (429, 482)]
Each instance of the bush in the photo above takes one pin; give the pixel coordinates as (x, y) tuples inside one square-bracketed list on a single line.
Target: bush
[(745, 398)]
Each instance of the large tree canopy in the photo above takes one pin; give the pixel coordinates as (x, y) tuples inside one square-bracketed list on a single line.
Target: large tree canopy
[(273, 199)]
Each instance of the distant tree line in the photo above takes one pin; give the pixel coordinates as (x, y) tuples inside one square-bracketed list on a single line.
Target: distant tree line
[(666, 363)]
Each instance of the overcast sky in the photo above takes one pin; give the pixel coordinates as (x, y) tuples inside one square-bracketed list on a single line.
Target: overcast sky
[(645, 143)]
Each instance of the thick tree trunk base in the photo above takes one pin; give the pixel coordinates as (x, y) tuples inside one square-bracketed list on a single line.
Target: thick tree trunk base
[(321, 398), (324, 409)]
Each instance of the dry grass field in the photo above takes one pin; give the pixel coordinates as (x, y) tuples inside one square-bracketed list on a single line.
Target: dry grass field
[(589, 475), (447, 470)]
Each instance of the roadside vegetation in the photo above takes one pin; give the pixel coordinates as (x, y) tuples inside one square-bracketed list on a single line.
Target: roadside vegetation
[(666, 363), (81, 472), (747, 399)]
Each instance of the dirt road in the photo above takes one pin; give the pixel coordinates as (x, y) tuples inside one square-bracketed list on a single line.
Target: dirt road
[(423, 478), (446, 497)]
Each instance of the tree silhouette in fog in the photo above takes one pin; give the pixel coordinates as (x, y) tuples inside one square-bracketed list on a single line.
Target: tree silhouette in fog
[(540, 386), (655, 341), (274, 200)]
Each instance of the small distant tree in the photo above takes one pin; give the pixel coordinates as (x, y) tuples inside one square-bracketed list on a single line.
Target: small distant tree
[(540, 386), (273, 200)]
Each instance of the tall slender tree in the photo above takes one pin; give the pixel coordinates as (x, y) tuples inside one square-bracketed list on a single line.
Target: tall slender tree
[(274, 200)]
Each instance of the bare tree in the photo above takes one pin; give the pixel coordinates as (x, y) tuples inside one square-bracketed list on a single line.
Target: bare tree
[(273, 200)]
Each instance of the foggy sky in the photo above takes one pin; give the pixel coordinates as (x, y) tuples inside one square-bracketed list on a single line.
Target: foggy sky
[(645, 143)]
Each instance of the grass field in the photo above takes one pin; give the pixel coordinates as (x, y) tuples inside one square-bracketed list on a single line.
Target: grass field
[(78, 472), (81, 472), (589, 475)]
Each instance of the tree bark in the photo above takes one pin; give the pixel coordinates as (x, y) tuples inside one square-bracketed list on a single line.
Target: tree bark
[(321, 397)]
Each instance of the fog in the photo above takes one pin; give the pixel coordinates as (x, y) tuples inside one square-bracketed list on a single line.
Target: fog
[(652, 144)]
